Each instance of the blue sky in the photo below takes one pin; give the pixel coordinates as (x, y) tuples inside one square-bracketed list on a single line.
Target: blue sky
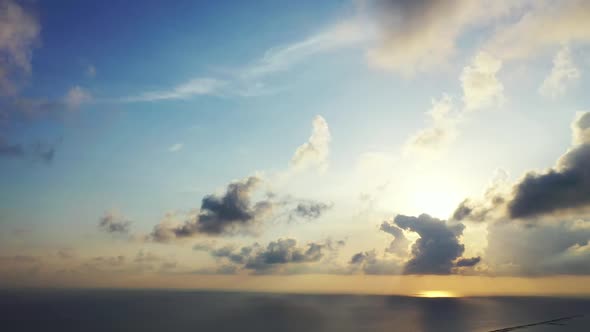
[(121, 119)]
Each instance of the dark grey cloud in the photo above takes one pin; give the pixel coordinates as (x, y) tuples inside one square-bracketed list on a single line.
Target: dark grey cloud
[(565, 187), (309, 210), (468, 262), (234, 212), (437, 248), (283, 251), (114, 224), (225, 214), (277, 257), (561, 191)]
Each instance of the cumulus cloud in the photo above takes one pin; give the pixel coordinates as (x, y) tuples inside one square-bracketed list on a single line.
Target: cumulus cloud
[(19, 32), (438, 247), (563, 73), (314, 152), (481, 87), (563, 189), (443, 130), (114, 223), (227, 213), (581, 128)]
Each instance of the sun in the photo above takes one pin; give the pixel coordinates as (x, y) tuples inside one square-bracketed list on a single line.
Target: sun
[(436, 294)]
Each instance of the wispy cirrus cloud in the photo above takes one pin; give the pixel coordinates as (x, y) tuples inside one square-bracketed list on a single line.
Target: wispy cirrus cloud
[(249, 80)]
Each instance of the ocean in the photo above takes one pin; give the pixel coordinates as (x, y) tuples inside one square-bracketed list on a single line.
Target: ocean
[(174, 310)]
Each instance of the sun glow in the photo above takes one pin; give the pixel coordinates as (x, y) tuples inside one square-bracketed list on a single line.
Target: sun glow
[(436, 293)]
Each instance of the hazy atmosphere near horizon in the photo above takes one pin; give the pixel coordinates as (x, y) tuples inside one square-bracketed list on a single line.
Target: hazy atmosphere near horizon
[(413, 162)]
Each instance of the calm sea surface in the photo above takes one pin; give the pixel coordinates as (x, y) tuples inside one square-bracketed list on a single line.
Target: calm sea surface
[(154, 310)]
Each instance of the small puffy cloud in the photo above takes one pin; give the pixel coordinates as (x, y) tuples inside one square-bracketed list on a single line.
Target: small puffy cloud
[(314, 152), (438, 247), (19, 32), (481, 87), (114, 223), (443, 129), (75, 97), (91, 71), (563, 73), (176, 147), (309, 210)]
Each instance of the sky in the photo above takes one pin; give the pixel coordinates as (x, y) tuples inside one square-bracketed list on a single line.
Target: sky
[(358, 146)]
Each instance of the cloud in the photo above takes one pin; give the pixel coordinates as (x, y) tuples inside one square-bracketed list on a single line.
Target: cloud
[(552, 248), (194, 87), (114, 223), (399, 245), (581, 128), (437, 248), (314, 152), (561, 190), (175, 147), (225, 214), (278, 257), (468, 262), (91, 71), (75, 97), (545, 24), (565, 187), (494, 198), (443, 129), (19, 32), (420, 35), (34, 152), (281, 58), (309, 210), (248, 80), (368, 262), (564, 72), (481, 87)]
